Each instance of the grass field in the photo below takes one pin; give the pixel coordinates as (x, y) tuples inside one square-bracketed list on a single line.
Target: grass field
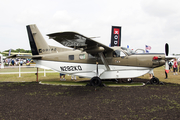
[(158, 72)]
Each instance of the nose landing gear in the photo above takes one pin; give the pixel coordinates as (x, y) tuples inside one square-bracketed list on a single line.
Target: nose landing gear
[(154, 80)]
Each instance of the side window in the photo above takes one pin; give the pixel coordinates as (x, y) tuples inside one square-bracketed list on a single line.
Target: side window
[(122, 54), (118, 53), (71, 57)]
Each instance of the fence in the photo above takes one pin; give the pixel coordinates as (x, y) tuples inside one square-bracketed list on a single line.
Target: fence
[(23, 69)]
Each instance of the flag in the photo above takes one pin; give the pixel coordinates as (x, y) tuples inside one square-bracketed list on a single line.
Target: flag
[(116, 36), (9, 52), (148, 47)]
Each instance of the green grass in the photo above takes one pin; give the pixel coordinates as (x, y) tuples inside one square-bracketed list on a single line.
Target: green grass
[(65, 83), (55, 79)]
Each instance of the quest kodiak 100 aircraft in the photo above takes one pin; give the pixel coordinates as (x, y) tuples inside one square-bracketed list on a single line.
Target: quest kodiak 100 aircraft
[(89, 58)]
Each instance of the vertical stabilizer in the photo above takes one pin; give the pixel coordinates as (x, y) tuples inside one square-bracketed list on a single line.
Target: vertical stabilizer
[(37, 42)]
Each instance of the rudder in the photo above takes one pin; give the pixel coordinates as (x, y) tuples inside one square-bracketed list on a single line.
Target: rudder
[(37, 42)]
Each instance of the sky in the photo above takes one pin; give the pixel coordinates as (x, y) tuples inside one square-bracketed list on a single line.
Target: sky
[(143, 22)]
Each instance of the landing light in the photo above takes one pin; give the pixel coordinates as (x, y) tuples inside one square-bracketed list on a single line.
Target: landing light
[(155, 58)]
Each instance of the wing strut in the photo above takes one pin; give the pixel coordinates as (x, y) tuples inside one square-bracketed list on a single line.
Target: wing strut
[(97, 72), (104, 61)]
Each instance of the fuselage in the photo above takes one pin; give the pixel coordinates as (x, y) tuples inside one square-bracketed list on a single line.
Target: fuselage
[(138, 60), (83, 64)]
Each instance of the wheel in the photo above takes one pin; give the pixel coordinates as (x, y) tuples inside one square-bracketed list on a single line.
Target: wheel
[(95, 81), (154, 80), (129, 80)]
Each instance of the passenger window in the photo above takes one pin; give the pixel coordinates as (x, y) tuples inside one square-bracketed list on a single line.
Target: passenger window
[(82, 56), (71, 57)]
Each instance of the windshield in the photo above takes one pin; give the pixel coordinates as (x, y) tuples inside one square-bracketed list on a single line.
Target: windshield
[(128, 51)]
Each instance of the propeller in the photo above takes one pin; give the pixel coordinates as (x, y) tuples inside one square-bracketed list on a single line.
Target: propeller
[(166, 49), (166, 61)]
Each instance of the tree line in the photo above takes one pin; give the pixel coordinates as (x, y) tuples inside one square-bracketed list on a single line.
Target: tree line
[(19, 50)]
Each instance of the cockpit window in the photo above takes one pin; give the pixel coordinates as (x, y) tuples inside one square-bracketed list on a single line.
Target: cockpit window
[(128, 51), (118, 53)]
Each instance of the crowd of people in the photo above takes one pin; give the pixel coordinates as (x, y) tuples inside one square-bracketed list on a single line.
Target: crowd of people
[(174, 66), (15, 62)]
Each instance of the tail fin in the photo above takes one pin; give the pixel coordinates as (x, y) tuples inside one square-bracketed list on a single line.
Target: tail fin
[(37, 42)]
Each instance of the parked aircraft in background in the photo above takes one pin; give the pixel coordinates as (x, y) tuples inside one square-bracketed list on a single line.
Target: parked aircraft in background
[(15, 53)]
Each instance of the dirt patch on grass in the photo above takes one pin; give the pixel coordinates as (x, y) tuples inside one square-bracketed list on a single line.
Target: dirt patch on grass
[(47, 102)]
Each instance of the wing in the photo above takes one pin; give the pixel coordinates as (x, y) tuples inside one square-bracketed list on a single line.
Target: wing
[(77, 41)]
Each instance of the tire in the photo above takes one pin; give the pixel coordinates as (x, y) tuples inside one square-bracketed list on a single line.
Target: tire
[(154, 80), (95, 81), (129, 80)]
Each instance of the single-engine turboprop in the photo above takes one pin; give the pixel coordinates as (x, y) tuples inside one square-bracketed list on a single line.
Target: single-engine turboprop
[(89, 58)]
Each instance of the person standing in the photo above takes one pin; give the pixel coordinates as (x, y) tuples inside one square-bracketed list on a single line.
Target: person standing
[(73, 77), (151, 74), (175, 66), (179, 65), (21, 62), (62, 76), (170, 65), (12, 62), (166, 75)]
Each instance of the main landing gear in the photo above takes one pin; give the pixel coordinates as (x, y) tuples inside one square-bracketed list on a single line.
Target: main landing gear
[(154, 80), (95, 81)]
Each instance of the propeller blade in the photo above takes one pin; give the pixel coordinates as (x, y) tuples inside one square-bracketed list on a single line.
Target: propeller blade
[(166, 49)]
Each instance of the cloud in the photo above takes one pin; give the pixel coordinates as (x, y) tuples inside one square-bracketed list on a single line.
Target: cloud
[(29, 17), (160, 8)]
